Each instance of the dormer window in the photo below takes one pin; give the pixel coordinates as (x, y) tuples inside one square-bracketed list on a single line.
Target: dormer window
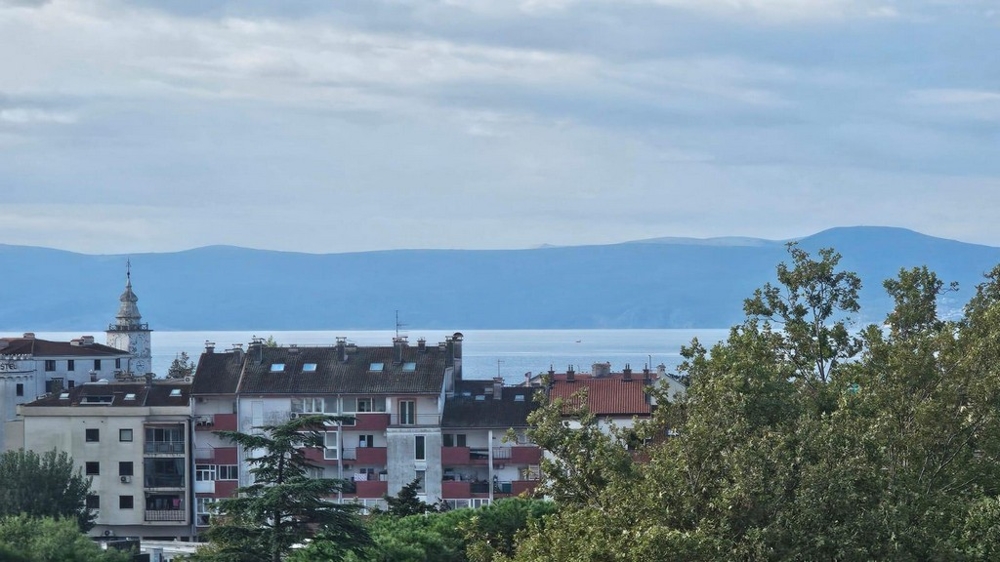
[(277, 367)]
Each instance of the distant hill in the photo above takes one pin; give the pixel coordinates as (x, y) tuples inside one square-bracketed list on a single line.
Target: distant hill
[(659, 283)]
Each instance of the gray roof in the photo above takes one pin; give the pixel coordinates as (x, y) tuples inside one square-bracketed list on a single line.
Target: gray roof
[(421, 371), (45, 348), (474, 406), (118, 395)]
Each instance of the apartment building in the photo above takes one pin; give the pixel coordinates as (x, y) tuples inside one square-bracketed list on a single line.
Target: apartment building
[(134, 440)]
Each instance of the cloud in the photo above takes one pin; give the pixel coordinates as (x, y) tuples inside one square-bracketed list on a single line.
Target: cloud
[(27, 115)]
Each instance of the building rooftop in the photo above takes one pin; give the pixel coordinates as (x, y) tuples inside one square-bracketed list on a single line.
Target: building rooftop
[(39, 348), (609, 395), (475, 404), (118, 395)]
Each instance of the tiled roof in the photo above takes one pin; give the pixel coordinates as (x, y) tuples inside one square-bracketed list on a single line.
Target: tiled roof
[(217, 373), (466, 410), (118, 395), (421, 371), (606, 396), (46, 348)]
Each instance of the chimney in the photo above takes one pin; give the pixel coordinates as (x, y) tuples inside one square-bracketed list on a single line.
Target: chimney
[(29, 335), (627, 373), (86, 340), (570, 375), (497, 387), (342, 349), (456, 356), (421, 345), (647, 376), (149, 379), (399, 345), (661, 371), (238, 350), (601, 369), (209, 347)]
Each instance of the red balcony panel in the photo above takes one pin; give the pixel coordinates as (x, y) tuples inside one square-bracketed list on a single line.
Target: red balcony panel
[(315, 456), (225, 455), (371, 456), (225, 422), (525, 455), (369, 422), (451, 489), (454, 455), (520, 486), (372, 488), (225, 488)]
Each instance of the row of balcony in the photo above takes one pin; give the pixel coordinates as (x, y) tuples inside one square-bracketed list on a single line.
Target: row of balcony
[(450, 456), (450, 489), (362, 421)]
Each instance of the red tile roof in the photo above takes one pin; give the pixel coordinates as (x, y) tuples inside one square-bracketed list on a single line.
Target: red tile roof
[(606, 396)]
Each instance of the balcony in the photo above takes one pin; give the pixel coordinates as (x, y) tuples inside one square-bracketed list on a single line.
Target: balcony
[(464, 456), (165, 515), (368, 456), (215, 422), (414, 420), (456, 489), (517, 455), (368, 422), (371, 488), (204, 487), (164, 448), (163, 481), (319, 456)]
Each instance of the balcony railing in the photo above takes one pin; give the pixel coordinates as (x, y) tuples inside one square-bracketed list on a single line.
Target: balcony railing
[(163, 481), (215, 422), (398, 419), (165, 515), (164, 448), (368, 456)]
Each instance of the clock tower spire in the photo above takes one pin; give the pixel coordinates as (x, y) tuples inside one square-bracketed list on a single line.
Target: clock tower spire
[(129, 332)]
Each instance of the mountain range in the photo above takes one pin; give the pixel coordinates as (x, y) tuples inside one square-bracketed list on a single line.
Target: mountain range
[(656, 283)]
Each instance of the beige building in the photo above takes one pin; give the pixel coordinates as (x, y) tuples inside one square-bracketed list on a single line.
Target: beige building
[(134, 440)]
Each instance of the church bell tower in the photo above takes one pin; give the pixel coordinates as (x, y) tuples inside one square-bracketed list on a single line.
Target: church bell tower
[(129, 333)]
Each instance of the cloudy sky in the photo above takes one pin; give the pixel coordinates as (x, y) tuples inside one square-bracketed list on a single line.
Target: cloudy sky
[(353, 125)]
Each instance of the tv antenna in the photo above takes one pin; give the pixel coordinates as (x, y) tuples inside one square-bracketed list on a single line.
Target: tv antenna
[(398, 324)]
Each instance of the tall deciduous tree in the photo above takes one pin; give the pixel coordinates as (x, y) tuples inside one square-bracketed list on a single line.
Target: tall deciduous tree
[(283, 506), (44, 485)]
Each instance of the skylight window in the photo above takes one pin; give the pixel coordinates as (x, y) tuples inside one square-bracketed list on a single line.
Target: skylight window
[(64, 396), (480, 397), (518, 398), (308, 367), (376, 367), (130, 396), (277, 367), (409, 367), (175, 392)]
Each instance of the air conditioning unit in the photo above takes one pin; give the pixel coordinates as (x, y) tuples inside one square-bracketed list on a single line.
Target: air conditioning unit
[(126, 479), (294, 415)]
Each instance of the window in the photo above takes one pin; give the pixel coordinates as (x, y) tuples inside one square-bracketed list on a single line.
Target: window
[(331, 444), (97, 367), (277, 367), (407, 412), (130, 396), (419, 443), (20, 389), (50, 364), (460, 440), (125, 468), (93, 468), (421, 477), (71, 365), (204, 508), (228, 472), (376, 367), (93, 435), (125, 435), (125, 502), (204, 472), (118, 363), (53, 385), (366, 441), (175, 392), (70, 384), (93, 501), (309, 368), (409, 367)]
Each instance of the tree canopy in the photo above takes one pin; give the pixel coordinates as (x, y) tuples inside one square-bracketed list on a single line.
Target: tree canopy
[(801, 437), (33, 539), (44, 485)]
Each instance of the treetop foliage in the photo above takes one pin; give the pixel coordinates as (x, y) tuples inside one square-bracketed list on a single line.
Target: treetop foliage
[(44, 485)]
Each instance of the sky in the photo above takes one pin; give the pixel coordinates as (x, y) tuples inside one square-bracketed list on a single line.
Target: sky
[(357, 125)]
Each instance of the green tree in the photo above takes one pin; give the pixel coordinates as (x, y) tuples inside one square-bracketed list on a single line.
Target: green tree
[(406, 501), (284, 506), (44, 485), (30, 539), (181, 366)]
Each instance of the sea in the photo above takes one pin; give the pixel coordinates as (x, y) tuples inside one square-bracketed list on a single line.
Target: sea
[(510, 354)]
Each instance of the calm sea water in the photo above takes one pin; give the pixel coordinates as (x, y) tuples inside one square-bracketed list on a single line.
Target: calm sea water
[(485, 353)]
